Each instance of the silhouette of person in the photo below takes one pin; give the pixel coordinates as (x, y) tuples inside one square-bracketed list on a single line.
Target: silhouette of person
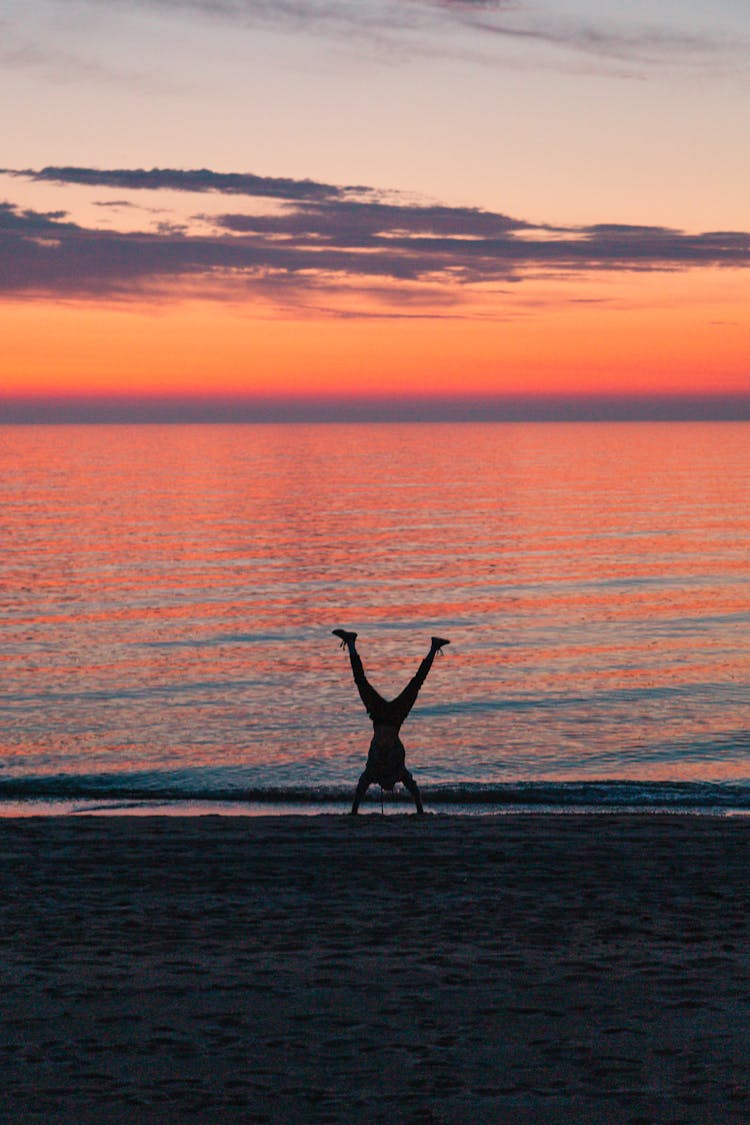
[(386, 758)]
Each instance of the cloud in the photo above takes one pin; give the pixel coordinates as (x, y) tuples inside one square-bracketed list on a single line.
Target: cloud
[(116, 203), (423, 27), (321, 239), (196, 180), (351, 222), (372, 408), (28, 51), (640, 44)]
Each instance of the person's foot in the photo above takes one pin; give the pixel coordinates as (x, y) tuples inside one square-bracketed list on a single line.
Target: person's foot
[(438, 642), (345, 637)]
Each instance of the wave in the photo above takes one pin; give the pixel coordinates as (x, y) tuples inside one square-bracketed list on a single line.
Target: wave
[(602, 795)]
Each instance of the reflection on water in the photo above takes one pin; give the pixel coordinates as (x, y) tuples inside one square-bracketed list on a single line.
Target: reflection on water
[(168, 594)]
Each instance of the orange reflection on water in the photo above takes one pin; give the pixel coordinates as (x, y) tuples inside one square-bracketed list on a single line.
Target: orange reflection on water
[(169, 594)]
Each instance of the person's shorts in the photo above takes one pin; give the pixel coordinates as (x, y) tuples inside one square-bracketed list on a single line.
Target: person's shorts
[(385, 764)]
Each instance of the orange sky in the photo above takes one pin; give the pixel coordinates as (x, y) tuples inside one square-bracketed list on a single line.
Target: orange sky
[(682, 333), (372, 198), (368, 198)]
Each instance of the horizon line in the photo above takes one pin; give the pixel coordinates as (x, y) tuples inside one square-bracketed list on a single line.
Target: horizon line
[(228, 408)]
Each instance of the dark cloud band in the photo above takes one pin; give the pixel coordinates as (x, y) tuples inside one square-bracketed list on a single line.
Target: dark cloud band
[(320, 236), (195, 180)]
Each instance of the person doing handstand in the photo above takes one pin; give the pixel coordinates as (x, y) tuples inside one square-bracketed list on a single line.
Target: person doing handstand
[(386, 759)]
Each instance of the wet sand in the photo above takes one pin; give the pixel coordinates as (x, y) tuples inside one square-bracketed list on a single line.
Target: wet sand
[(495, 969)]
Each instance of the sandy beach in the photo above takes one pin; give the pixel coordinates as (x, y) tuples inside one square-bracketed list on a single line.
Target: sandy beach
[(496, 969)]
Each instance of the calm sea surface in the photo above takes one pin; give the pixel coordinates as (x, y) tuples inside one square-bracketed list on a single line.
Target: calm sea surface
[(168, 594)]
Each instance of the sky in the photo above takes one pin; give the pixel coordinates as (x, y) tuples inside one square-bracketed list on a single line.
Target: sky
[(380, 203)]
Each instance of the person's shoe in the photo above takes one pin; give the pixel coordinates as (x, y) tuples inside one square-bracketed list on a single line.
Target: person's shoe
[(344, 636), (438, 642)]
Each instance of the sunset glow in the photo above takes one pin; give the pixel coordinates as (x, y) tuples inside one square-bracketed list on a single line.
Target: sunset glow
[(181, 263)]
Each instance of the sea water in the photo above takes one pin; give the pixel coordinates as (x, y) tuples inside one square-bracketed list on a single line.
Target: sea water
[(168, 595)]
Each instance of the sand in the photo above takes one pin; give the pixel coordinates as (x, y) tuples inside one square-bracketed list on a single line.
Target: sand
[(398, 969)]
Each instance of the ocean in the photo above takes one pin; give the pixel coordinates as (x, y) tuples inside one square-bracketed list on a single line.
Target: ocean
[(168, 595)]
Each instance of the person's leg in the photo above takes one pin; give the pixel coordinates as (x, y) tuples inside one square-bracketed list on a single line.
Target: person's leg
[(362, 786), (407, 779), (372, 700), (403, 703)]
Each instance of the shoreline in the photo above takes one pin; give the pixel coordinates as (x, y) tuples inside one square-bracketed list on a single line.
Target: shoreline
[(258, 816), (190, 810), (312, 806), (523, 967)]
